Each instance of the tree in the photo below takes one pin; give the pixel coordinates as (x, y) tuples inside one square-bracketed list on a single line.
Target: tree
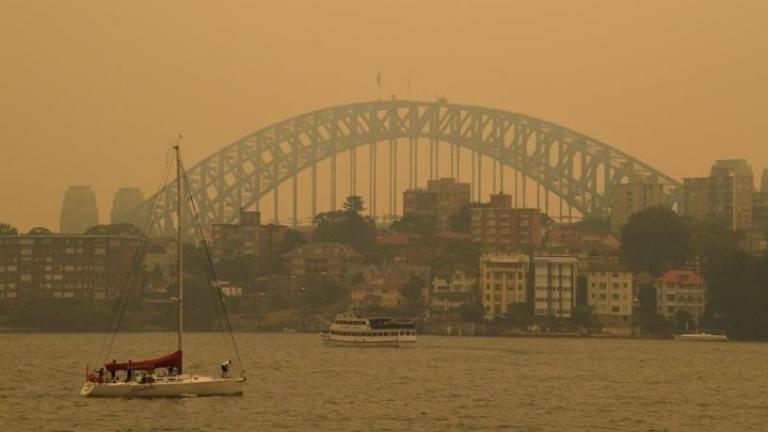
[(323, 291), (123, 229), (519, 314), (582, 316), (239, 270), (415, 224), (738, 293), (712, 239), (458, 254), (473, 312), (655, 240), (354, 204), (291, 240), (39, 231), (347, 227), (684, 321), (412, 289), (8, 230)]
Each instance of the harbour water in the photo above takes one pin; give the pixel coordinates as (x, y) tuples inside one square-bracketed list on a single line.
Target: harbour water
[(444, 384)]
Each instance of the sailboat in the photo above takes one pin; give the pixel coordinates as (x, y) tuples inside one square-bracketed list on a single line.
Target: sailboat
[(163, 376)]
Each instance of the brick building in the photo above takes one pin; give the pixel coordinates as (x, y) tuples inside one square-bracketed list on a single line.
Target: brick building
[(438, 202), (77, 267), (248, 237), (500, 228), (322, 258)]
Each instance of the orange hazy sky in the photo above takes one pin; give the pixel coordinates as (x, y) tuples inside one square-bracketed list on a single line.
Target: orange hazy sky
[(91, 92)]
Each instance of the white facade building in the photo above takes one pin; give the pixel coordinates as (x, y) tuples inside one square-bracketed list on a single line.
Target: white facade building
[(554, 285), (503, 280), (681, 291), (610, 293), (450, 293)]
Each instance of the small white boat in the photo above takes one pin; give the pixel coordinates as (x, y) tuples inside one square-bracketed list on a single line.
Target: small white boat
[(163, 376), (701, 337), (350, 330)]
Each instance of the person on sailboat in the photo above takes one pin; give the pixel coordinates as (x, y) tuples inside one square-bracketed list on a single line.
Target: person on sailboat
[(129, 373), (225, 368)]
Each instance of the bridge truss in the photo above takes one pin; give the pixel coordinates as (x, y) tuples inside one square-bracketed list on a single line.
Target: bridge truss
[(576, 169)]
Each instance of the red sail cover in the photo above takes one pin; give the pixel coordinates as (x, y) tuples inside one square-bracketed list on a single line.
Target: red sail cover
[(172, 360)]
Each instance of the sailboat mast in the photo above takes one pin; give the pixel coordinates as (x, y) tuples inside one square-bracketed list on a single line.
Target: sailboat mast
[(179, 244)]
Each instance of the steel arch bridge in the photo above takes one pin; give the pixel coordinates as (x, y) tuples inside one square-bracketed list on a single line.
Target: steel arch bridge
[(572, 166)]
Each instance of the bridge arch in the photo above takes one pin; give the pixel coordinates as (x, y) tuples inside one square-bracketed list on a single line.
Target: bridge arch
[(571, 165)]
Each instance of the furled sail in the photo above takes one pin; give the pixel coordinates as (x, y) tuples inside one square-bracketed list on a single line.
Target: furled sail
[(172, 360)]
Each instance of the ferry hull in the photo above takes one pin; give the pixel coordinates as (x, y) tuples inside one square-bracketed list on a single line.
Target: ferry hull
[(369, 342), (194, 386), (701, 337)]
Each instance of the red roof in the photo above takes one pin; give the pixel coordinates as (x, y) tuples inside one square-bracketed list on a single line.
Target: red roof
[(681, 276), (453, 235), (389, 238)]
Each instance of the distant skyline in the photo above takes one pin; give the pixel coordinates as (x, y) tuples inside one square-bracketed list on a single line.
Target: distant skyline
[(92, 92)]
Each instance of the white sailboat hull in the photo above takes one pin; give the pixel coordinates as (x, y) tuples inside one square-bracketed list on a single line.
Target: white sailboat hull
[(191, 385)]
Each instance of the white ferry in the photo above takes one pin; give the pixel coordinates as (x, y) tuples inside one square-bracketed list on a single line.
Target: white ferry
[(702, 337), (350, 330)]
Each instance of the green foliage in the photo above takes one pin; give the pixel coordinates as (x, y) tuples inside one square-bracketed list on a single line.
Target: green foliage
[(123, 229), (8, 230), (240, 270), (473, 312), (655, 240), (462, 221), (459, 255), (738, 288), (324, 291), (712, 239), (354, 204), (347, 227), (519, 314), (39, 231), (292, 240), (582, 316), (684, 322), (414, 224), (651, 322), (412, 289)]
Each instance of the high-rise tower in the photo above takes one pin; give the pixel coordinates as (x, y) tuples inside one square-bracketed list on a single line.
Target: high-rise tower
[(78, 211), (126, 199)]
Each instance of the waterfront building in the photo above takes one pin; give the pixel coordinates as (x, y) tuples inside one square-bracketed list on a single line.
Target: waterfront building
[(503, 281), (726, 196), (125, 201), (78, 211), (322, 258), (75, 267), (248, 237), (438, 202), (381, 285), (554, 285), (681, 291), (760, 211), (449, 292), (499, 228), (610, 290), (629, 198)]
